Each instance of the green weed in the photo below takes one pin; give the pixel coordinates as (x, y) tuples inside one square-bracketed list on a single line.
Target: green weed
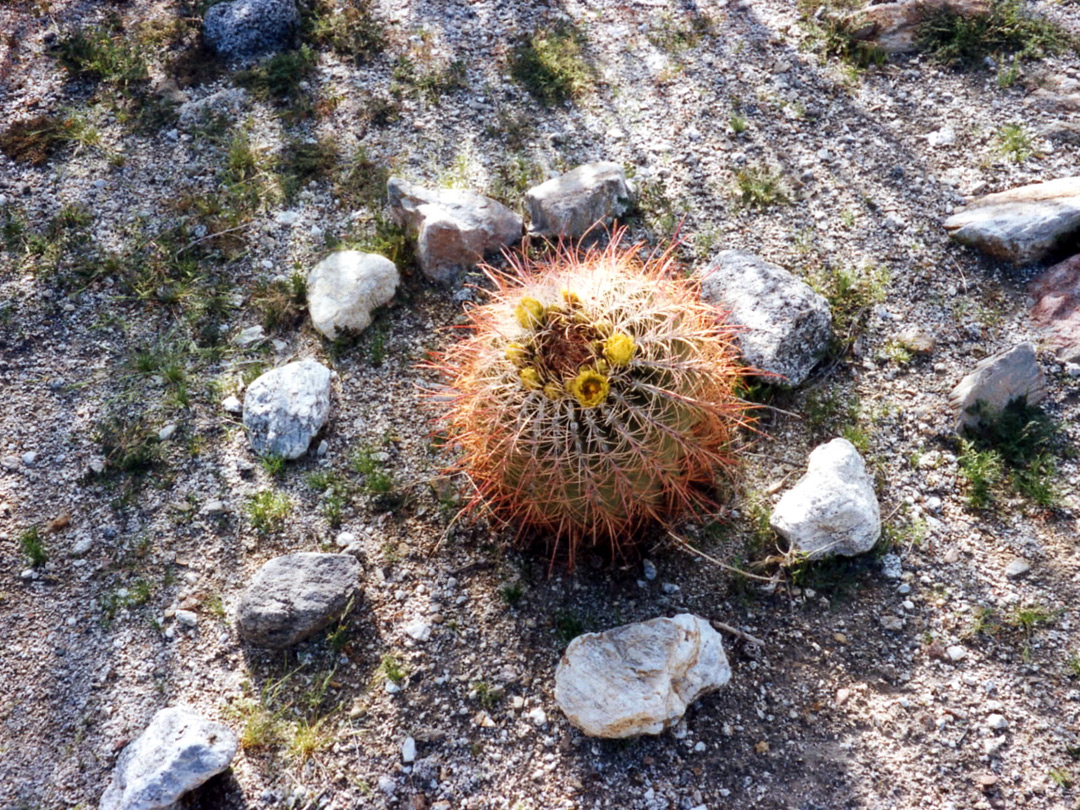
[(511, 593), (273, 464), (103, 53), (129, 446), (267, 511), (759, 187), (551, 65), (433, 83), (281, 303), (965, 41), (32, 544), (675, 33), (350, 28), (279, 77), (983, 471), (851, 293), (392, 669), (1014, 143)]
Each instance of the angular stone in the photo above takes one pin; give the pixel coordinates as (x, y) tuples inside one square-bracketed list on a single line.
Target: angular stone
[(893, 27), (1057, 308), (454, 229), (295, 596), (832, 509), (996, 381), (227, 104), (285, 407), (639, 678), (178, 751), (788, 325), (1021, 225), (346, 287), (250, 27), (572, 203)]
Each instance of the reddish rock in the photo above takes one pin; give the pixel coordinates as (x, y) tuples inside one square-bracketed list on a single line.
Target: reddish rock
[(1057, 307)]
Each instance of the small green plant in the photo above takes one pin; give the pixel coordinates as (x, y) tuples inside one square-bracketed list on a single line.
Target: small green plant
[(1061, 777), (351, 29), (103, 53), (261, 728), (273, 464), (738, 123), (487, 695), (433, 83), (280, 76), (551, 65), (376, 480), (983, 471), (760, 187), (335, 495), (137, 595), (1014, 143), (851, 292), (1009, 28), (392, 669), (302, 161), (281, 302), (1072, 665), (35, 140), (129, 446), (511, 592), (675, 33), (833, 30), (308, 739), (267, 511), (568, 626), (984, 622), (32, 544)]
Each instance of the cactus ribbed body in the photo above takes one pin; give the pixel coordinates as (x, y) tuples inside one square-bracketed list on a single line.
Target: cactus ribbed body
[(594, 393)]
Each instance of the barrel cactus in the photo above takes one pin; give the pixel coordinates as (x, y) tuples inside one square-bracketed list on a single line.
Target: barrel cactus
[(594, 393)]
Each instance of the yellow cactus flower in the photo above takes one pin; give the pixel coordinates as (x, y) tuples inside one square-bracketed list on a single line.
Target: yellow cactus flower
[(571, 299), (602, 367), (604, 327), (529, 313), (590, 388), (553, 391), (530, 378), (516, 353), (618, 349)]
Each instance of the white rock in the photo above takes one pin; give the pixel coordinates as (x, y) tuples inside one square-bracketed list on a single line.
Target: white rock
[(188, 618), (946, 136), (894, 623), (250, 336), (572, 203), (997, 722), (1017, 568), (167, 432), (454, 229), (992, 746), (287, 217), (1021, 225), (639, 678), (229, 102), (82, 546), (232, 404), (788, 326), (418, 631), (215, 507), (832, 509), (408, 751), (538, 716), (956, 653), (346, 287), (29, 458), (998, 380), (178, 751), (285, 407)]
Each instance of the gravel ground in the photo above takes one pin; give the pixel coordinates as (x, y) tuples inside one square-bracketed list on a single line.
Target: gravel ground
[(837, 710)]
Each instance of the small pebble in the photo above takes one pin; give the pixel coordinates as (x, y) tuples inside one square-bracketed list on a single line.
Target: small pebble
[(997, 722), (1017, 568), (408, 751), (956, 653), (648, 569)]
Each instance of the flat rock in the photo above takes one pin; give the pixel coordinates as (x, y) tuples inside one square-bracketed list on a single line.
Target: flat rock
[(346, 287), (295, 596), (454, 229), (178, 751), (893, 27), (242, 28), (1057, 308), (227, 104), (572, 203), (832, 509), (1017, 568), (788, 326), (285, 407), (1021, 225), (996, 381), (639, 678)]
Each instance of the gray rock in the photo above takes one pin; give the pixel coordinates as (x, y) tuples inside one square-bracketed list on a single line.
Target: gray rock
[(285, 407), (788, 325), (569, 205), (1057, 307), (295, 596), (454, 229), (176, 753), (227, 103), (639, 678), (1017, 568), (1021, 225), (250, 27), (346, 287), (832, 509), (996, 381)]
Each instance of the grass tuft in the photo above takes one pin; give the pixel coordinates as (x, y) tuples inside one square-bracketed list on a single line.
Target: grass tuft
[(760, 187), (551, 65), (32, 544)]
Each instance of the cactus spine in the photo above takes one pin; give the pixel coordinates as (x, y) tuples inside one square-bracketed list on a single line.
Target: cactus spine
[(594, 393)]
